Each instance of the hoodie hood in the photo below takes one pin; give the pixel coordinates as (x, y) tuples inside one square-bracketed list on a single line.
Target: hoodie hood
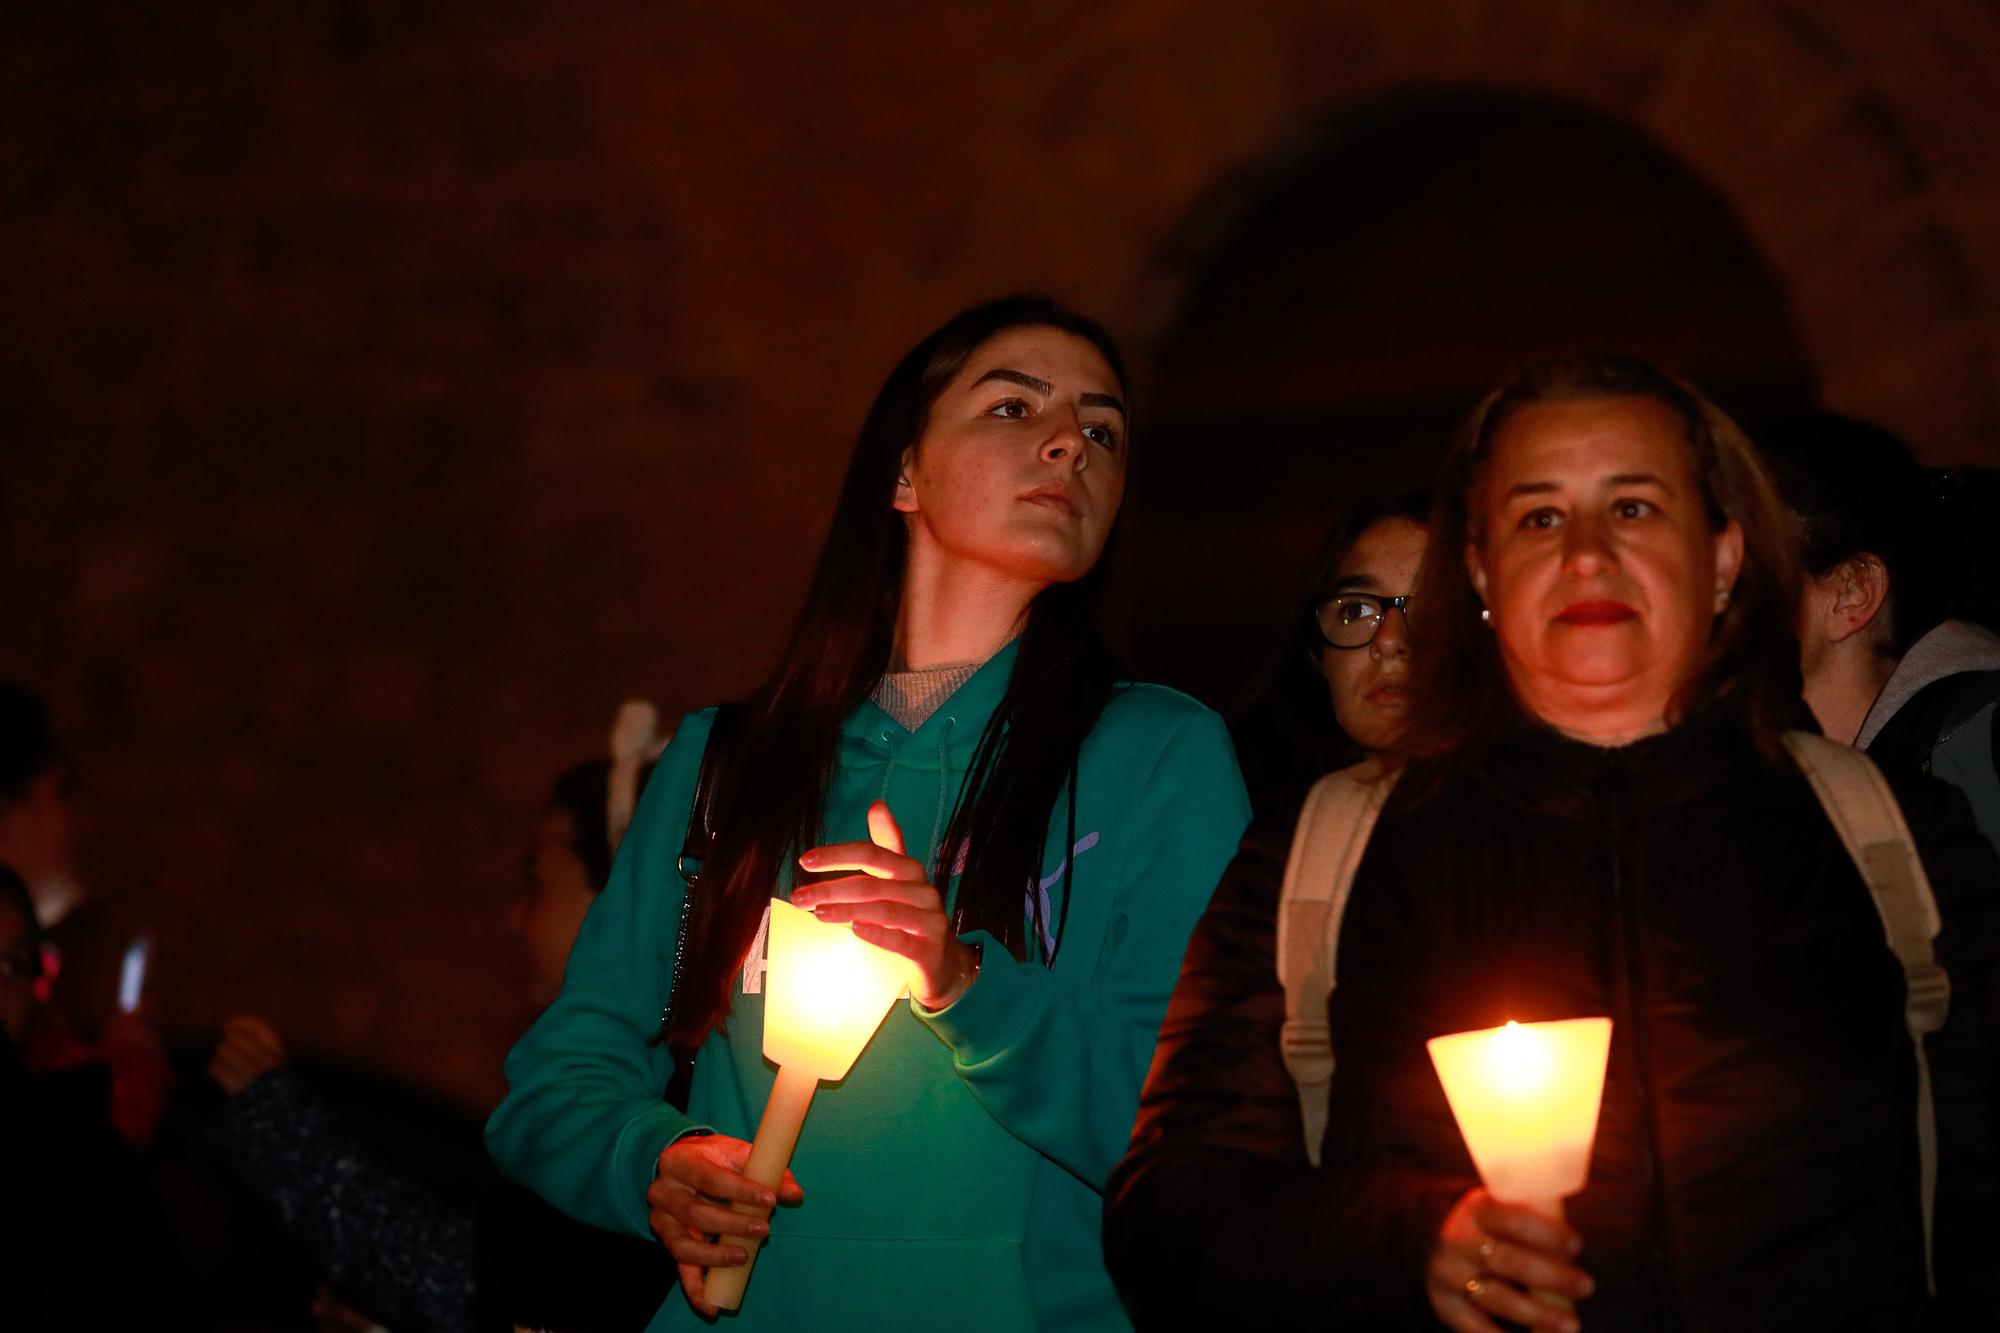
[(947, 738), (1952, 649)]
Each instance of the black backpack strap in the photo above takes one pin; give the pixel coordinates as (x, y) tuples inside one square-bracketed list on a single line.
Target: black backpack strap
[(699, 843), (696, 848)]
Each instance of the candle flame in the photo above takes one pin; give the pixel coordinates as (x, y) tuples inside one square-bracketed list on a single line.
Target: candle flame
[(1519, 1061)]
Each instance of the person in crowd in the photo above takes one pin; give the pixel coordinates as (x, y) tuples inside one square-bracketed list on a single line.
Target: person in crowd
[(390, 1246), (538, 1266), (81, 1239), (1597, 815), (1034, 836), (567, 866), (84, 941), (386, 1245), (1890, 665), (1341, 686)]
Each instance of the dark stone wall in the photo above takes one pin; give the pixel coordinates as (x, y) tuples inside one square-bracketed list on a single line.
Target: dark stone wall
[(391, 388)]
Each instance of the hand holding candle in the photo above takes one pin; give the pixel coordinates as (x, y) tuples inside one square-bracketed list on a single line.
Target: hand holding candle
[(1526, 1098), (1500, 1260), (892, 905), (826, 990), (688, 1205)]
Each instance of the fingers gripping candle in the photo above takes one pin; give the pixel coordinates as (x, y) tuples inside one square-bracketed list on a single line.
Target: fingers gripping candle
[(825, 993)]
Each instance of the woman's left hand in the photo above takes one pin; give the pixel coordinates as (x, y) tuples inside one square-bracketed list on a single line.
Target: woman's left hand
[(893, 905), (1499, 1259)]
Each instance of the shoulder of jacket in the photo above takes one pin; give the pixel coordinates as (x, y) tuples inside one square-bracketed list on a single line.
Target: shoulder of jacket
[(1150, 730), (1978, 695), (1141, 703), (675, 769), (689, 738)]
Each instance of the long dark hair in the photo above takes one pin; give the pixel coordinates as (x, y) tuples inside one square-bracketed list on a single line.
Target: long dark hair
[(1461, 698), (771, 797)]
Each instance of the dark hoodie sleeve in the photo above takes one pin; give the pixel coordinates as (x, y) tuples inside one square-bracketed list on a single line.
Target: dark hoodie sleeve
[(384, 1243), (1965, 1055), (1215, 1214)]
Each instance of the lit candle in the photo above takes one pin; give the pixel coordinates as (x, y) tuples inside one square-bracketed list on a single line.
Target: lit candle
[(1526, 1098), (825, 993)]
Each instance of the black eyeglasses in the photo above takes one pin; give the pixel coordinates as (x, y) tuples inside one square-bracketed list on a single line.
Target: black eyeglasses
[(1352, 619)]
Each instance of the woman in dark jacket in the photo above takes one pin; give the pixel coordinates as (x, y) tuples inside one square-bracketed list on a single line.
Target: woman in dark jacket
[(1598, 817)]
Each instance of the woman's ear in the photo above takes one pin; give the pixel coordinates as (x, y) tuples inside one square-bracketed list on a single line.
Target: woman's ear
[(1860, 586), (1475, 568), (906, 495), (1728, 555)]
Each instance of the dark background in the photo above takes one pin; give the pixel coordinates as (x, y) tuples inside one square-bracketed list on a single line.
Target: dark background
[(391, 388)]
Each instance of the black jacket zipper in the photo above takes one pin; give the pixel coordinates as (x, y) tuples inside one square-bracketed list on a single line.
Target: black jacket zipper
[(1628, 985)]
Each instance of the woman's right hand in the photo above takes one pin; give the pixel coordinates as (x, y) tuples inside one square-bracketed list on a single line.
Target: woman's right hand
[(250, 1048), (697, 1179), (1488, 1257)]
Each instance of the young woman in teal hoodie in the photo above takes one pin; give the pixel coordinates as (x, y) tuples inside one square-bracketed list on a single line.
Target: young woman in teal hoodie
[(944, 693)]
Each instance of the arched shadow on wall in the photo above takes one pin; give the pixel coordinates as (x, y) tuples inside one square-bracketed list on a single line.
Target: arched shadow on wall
[(1339, 312)]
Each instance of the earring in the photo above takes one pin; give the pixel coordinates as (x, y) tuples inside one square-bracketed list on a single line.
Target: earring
[(1722, 599), (1485, 615)]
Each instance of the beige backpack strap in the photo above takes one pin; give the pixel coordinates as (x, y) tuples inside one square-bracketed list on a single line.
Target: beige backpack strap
[(1864, 812), (1332, 833)]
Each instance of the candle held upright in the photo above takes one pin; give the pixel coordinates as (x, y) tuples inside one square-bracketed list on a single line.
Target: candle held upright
[(825, 993), (1526, 1098)]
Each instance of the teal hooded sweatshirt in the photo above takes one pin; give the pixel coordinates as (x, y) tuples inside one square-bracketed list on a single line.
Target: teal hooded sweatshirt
[(954, 1178)]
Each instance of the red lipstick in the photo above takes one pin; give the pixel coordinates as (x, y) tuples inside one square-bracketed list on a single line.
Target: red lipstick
[(1596, 613)]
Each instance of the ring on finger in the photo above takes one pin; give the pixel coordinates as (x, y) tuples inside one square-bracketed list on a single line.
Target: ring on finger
[(1474, 1287), (1487, 1249)]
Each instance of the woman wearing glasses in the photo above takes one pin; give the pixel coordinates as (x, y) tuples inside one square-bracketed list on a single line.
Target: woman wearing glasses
[(1602, 811), (1037, 837), (1340, 690)]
